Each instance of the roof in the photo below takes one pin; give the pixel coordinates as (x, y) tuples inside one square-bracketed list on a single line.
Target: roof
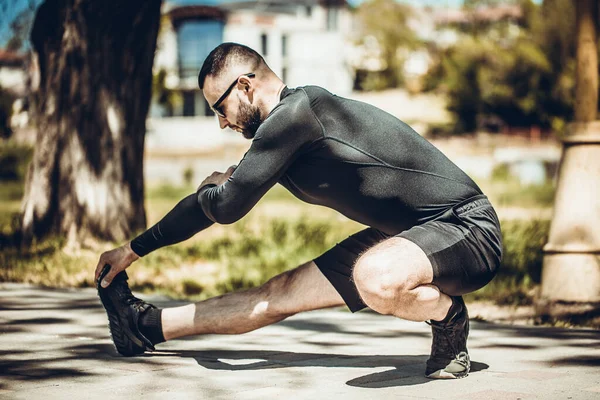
[(196, 12), (11, 58), (254, 2), (181, 10), (482, 14)]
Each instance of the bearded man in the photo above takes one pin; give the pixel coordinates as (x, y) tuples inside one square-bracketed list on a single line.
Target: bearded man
[(431, 237)]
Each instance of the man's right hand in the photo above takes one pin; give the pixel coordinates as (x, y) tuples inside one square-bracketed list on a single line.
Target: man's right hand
[(118, 259)]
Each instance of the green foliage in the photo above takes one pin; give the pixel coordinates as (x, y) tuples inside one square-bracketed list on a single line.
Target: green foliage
[(516, 194), (247, 253), (462, 70), (507, 190), (501, 172), (522, 74), (188, 176), (165, 97), (523, 243), (252, 256), (521, 267), (14, 160), (167, 191), (6, 103), (385, 21)]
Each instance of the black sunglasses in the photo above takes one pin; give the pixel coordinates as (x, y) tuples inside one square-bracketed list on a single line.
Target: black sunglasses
[(217, 106)]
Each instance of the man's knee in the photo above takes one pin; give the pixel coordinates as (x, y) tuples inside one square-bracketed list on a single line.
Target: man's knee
[(378, 285), (386, 274)]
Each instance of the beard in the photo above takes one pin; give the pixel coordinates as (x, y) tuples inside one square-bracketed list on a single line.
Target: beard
[(250, 119)]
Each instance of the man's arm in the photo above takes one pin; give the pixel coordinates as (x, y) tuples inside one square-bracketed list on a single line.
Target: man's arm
[(181, 223), (286, 134)]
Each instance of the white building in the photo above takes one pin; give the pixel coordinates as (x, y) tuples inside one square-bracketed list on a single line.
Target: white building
[(304, 42), (12, 72)]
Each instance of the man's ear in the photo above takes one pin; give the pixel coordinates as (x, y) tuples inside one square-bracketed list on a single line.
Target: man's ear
[(247, 83), (247, 87)]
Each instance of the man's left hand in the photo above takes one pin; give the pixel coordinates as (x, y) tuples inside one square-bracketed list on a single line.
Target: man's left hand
[(218, 178)]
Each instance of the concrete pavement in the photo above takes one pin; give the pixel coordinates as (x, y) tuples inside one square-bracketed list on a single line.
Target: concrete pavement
[(55, 345)]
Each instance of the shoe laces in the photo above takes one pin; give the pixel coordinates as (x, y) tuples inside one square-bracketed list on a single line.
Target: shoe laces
[(446, 329), (127, 296)]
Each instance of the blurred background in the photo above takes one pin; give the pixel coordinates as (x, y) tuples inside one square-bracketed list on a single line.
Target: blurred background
[(490, 83)]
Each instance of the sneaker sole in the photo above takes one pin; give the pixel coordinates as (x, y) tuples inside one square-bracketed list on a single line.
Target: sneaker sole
[(124, 340), (442, 374)]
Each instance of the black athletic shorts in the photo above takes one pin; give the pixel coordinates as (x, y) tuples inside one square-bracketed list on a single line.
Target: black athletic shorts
[(464, 246)]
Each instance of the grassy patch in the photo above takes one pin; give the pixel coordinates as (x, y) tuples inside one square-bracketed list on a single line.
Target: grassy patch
[(279, 234), (14, 160), (514, 194), (520, 273), (245, 255), (506, 190)]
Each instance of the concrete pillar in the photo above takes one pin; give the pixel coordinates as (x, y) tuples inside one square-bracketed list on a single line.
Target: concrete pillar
[(571, 271), (572, 255)]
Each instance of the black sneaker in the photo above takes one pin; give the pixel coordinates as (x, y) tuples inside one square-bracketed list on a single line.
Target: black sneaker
[(124, 310), (449, 357)]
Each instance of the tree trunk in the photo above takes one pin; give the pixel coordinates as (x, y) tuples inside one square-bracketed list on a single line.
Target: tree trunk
[(586, 93), (91, 94)]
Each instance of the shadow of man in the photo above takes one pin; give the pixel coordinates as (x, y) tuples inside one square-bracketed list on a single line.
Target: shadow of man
[(405, 370)]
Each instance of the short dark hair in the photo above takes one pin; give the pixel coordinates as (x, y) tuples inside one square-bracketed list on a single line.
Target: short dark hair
[(223, 56)]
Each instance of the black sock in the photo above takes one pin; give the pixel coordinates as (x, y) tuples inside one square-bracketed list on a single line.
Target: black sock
[(151, 325), (454, 310)]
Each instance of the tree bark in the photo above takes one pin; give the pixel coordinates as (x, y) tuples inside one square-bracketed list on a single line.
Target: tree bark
[(586, 92), (90, 99)]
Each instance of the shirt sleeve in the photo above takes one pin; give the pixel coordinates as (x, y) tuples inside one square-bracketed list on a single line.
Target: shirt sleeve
[(182, 222), (284, 135)]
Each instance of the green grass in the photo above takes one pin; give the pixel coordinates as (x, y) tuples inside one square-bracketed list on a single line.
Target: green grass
[(279, 234), (520, 272), (505, 190), (218, 260), (513, 194)]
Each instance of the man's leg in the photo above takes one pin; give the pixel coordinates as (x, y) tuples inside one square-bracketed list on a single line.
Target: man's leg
[(302, 289), (395, 277)]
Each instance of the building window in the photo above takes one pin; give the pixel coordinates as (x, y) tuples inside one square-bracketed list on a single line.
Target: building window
[(308, 11), (332, 19), (263, 44), (195, 40), (284, 45), (284, 74)]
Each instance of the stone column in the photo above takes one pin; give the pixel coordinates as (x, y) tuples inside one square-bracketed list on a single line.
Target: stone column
[(571, 272)]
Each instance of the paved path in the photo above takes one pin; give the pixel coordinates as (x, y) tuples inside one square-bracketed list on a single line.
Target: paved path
[(55, 345)]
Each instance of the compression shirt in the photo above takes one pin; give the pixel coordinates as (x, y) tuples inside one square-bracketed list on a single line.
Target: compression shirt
[(330, 151)]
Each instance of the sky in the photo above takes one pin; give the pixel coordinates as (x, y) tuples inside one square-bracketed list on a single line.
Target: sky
[(9, 9)]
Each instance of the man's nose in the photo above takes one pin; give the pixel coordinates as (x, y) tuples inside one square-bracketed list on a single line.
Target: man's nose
[(223, 123)]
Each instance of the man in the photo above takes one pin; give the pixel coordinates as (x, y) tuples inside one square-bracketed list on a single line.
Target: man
[(432, 237)]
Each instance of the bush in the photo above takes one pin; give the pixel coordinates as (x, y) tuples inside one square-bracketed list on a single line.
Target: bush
[(188, 176), (251, 257), (6, 103), (14, 160), (521, 268), (522, 77), (250, 252)]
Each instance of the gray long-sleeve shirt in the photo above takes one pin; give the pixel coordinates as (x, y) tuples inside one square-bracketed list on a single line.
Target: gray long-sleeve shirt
[(331, 151)]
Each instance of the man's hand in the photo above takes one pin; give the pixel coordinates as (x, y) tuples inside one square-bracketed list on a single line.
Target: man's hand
[(118, 259), (218, 178)]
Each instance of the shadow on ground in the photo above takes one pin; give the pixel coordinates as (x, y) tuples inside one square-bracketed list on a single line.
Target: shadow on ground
[(407, 370), (58, 355)]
